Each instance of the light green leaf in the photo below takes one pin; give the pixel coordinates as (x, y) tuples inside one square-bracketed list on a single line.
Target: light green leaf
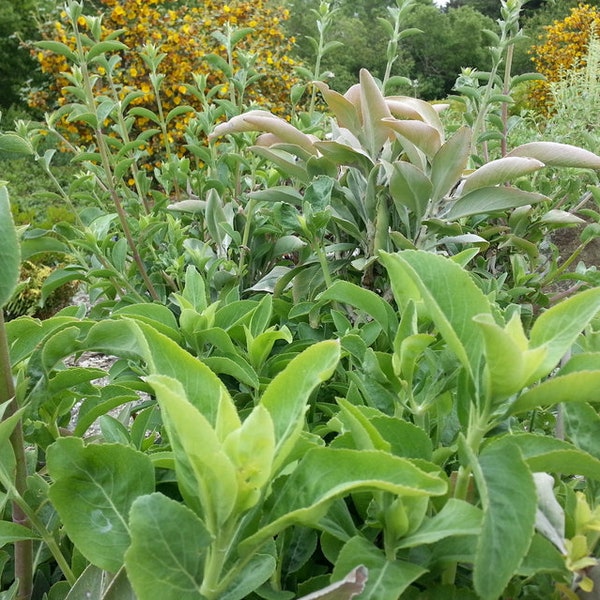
[(255, 572), (457, 518), (13, 532), (177, 111), (582, 424), (449, 163), (93, 489), (449, 296), (206, 476), (286, 397), (202, 387), (13, 143), (168, 547), (509, 507), (96, 584), (491, 199), (278, 194), (105, 46), (551, 455), (9, 250), (251, 449), (235, 366), (581, 386), (387, 579), (554, 154), (325, 474), (558, 328), (410, 187), (373, 108), (365, 300), (508, 364), (58, 48)]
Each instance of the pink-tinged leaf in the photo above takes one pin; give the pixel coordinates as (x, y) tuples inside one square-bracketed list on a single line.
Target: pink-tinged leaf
[(374, 109), (426, 111), (425, 137), (353, 95), (345, 589), (500, 171), (554, 154), (260, 120), (346, 113)]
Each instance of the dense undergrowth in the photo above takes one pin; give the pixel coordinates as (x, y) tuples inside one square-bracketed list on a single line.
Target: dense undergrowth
[(349, 360)]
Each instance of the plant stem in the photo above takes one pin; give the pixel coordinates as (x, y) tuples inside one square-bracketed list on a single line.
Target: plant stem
[(24, 548)]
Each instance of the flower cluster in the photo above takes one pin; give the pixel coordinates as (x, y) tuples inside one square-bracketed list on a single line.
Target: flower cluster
[(562, 47), (184, 33)]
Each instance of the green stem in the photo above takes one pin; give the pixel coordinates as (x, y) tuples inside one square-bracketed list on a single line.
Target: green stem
[(23, 557), (320, 252), (105, 159)]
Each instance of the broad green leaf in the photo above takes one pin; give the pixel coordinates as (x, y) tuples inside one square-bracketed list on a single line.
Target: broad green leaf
[(388, 579), (325, 474), (234, 365), (286, 397), (365, 300), (13, 143), (202, 387), (554, 154), (178, 110), (13, 532), (9, 250), (508, 365), (449, 296), (168, 547), (457, 518), (157, 315), (581, 386), (254, 573), (93, 489), (509, 507), (373, 109), (557, 328), (140, 111), (206, 475), (449, 163), (491, 199), (406, 439), (58, 48), (364, 433), (500, 171), (345, 589), (582, 424), (260, 347), (96, 584), (551, 455), (251, 449), (410, 187), (278, 194)]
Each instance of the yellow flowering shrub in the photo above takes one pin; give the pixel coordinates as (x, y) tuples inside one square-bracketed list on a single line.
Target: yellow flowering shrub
[(184, 32), (563, 46)]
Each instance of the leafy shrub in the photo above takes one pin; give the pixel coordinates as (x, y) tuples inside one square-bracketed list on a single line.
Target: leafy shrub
[(189, 41), (563, 47)]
